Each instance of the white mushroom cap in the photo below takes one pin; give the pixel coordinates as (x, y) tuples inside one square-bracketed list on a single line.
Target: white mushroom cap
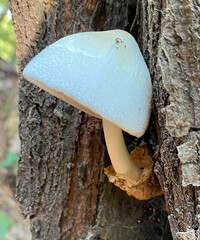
[(102, 73)]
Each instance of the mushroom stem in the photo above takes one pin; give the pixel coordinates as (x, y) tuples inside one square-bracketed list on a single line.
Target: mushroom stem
[(118, 152)]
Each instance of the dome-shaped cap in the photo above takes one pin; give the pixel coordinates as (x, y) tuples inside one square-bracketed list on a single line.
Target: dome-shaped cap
[(102, 73)]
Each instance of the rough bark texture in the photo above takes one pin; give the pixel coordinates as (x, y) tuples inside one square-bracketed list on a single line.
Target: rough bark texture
[(172, 43), (61, 184)]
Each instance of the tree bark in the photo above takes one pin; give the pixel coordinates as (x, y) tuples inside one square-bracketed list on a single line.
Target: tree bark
[(172, 44), (61, 185)]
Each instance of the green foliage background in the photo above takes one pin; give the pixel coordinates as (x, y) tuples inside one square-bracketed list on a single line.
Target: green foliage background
[(5, 223), (7, 36)]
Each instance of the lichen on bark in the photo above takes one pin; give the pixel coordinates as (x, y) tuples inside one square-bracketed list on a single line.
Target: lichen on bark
[(189, 155)]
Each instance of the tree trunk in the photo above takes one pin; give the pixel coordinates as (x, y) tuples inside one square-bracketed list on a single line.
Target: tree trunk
[(61, 183), (177, 106), (172, 42)]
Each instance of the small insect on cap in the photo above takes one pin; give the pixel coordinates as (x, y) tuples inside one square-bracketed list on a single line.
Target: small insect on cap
[(102, 73)]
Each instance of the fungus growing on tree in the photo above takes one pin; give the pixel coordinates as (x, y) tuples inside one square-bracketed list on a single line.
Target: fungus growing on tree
[(104, 74)]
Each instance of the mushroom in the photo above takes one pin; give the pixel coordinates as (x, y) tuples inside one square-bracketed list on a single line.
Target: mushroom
[(105, 75)]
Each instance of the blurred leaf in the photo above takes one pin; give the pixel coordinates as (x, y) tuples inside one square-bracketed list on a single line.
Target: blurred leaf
[(7, 36), (5, 223), (3, 3), (10, 161)]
